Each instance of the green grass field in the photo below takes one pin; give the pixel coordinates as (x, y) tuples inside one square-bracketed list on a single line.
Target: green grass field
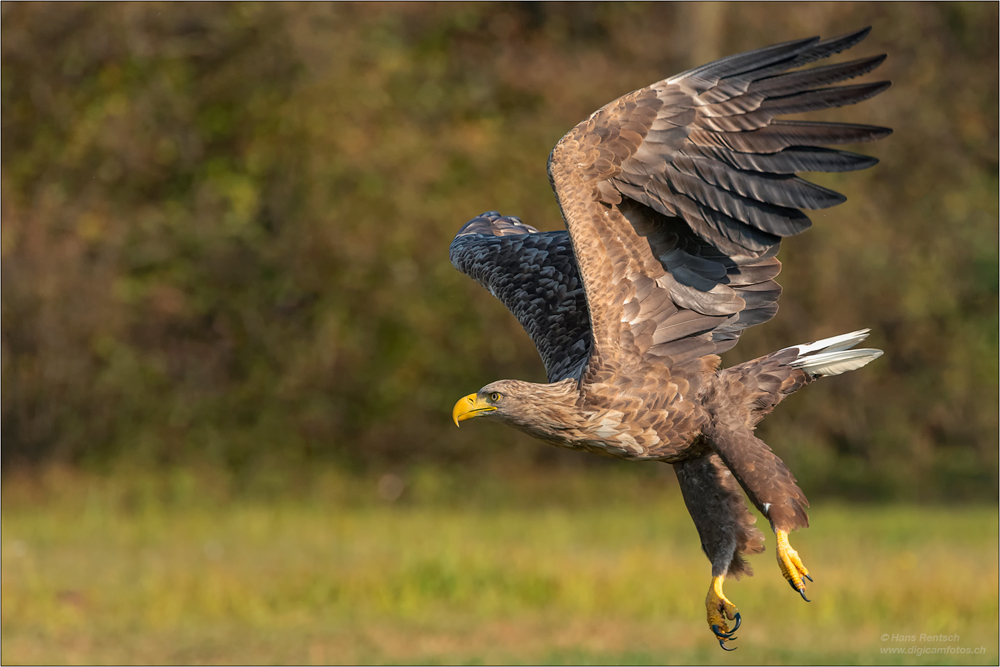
[(591, 567)]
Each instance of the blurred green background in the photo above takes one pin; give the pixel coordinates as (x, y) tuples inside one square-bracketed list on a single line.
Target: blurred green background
[(226, 229), (226, 286)]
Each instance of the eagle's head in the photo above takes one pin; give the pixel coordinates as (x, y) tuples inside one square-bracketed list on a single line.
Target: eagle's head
[(544, 411), (505, 400)]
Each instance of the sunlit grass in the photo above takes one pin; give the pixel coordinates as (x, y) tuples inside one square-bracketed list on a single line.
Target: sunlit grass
[(589, 567)]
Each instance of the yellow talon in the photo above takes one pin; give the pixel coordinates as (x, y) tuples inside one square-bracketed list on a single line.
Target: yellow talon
[(719, 610), (791, 565)]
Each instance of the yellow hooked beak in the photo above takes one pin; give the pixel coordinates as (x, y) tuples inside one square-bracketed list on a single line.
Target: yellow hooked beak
[(470, 406)]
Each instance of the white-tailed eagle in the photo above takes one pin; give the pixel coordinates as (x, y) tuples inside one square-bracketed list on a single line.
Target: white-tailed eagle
[(676, 198)]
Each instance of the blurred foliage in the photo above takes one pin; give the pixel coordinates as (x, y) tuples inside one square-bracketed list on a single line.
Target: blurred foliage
[(225, 229)]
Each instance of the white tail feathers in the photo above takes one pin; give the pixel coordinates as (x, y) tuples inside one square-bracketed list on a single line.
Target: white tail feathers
[(833, 356), (835, 363)]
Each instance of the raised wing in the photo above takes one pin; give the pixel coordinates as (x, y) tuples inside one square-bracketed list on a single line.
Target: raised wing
[(677, 195), (534, 274)]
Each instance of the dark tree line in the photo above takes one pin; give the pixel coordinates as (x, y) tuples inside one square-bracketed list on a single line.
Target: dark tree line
[(226, 228)]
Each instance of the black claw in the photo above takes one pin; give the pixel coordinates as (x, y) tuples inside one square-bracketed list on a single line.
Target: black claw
[(723, 645), (808, 577), (722, 635), (800, 589), (731, 633)]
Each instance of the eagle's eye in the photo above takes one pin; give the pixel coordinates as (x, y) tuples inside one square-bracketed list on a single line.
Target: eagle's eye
[(494, 397)]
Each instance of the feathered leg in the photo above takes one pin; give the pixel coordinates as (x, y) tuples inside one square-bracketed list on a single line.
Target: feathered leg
[(726, 529), (771, 488), (742, 397)]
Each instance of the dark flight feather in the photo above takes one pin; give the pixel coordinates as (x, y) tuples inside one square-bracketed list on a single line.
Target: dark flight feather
[(534, 274)]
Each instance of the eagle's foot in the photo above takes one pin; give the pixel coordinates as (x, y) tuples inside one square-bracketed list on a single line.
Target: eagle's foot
[(791, 565), (719, 610)]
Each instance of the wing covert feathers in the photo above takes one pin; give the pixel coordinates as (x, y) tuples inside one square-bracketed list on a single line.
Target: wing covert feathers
[(677, 195), (534, 274)]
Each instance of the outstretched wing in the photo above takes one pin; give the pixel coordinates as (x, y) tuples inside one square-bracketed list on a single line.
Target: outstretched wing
[(534, 274), (677, 195)]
